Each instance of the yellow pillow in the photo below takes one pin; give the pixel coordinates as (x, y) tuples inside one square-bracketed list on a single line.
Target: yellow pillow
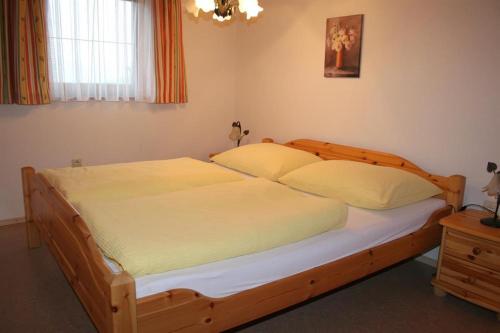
[(266, 160), (361, 184)]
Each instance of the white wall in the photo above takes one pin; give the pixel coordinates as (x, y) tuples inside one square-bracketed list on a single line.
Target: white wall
[(429, 86), (106, 132)]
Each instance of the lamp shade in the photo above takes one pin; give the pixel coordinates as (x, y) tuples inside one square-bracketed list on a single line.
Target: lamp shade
[(250, 7), (205, 5), (235, 134), (493, 187)]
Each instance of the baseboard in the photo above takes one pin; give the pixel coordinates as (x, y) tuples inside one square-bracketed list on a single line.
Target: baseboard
[(17, 220), (426, 260)]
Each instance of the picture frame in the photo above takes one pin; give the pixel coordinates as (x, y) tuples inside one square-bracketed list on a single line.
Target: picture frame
[(343, 46)]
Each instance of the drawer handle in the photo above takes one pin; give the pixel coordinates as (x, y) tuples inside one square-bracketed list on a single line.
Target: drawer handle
[(476, 251)]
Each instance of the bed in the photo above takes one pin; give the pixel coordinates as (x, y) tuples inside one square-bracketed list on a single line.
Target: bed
[(185, 301)]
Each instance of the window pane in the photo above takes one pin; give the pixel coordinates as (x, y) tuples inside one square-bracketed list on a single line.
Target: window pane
[(92, 41)]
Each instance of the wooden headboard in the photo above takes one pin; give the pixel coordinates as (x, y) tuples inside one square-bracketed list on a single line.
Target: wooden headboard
[(453, 186)]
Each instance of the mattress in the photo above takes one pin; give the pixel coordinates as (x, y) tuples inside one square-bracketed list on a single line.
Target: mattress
[(364, 229)]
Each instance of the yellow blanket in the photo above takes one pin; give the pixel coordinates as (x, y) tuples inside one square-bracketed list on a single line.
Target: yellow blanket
[(137, 179), (180, 229)]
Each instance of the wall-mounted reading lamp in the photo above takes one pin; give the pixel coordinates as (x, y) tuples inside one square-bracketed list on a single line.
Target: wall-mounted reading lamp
[(236, 134)]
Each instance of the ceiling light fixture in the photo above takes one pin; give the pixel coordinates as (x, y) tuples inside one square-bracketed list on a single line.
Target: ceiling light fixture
[(225, 9)]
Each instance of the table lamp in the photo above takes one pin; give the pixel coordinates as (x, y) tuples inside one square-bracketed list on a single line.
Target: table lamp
[(493, 190)]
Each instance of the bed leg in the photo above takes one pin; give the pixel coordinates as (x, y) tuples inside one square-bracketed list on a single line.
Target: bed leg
[(32, 232), (456, 189), (123, 304), (439, 292)]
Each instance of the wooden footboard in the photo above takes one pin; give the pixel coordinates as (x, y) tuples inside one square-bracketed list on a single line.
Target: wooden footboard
[(108, 298), (188, 311)]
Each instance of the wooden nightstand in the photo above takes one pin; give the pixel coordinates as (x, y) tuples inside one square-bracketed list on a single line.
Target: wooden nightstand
[(469, 260)]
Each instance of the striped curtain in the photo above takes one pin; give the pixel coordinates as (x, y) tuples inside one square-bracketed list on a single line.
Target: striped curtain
[(169, 52), (23, 50)]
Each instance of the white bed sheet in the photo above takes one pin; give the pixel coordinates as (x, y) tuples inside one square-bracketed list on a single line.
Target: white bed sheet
[(364, 229)]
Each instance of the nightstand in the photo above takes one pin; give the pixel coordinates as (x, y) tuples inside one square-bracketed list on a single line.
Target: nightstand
[(469, 260)]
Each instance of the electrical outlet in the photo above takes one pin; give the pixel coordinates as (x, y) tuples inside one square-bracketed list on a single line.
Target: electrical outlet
[(76, 162), (490, 204)]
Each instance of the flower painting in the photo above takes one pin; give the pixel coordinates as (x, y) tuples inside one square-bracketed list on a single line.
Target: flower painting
[(343, 46)]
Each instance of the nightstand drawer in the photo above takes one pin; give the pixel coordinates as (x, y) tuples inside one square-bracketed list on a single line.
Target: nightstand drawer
[(472, 249), (471, 278)]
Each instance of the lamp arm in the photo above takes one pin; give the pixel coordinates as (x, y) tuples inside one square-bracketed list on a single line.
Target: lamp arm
[(245, 133), (241, 137)]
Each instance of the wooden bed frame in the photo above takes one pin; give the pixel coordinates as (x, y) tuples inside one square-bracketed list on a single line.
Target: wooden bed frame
[(110, 299)]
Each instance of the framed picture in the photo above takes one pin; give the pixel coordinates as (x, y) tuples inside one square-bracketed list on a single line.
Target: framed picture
[(343, 46)]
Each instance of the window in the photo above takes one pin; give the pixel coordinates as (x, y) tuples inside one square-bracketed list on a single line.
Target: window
[(93, 49)]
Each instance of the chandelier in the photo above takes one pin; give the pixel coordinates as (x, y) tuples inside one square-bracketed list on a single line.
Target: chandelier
[(224, 9)]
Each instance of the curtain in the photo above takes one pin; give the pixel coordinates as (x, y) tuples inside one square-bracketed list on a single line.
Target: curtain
[(101, 50), (23, 51), (169, 52)]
